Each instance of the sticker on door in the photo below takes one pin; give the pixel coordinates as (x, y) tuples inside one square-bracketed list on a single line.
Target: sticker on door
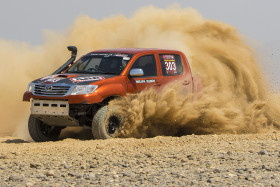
[(146, 81)]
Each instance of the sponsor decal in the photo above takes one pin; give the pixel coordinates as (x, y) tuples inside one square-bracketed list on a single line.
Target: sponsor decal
[(170, 65), (124, 56), (55, 78), (51, 79), (84, 79), (48, 77), (146, 81)]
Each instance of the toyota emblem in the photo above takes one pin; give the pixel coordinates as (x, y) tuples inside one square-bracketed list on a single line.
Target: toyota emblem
[(48, 88)]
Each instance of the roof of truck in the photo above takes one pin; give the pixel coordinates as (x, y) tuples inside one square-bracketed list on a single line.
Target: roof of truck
[(134, 50)]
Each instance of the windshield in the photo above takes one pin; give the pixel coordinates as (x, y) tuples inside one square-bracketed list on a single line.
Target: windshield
[(94, 63)]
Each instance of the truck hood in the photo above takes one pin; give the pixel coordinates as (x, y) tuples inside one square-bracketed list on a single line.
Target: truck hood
[(73, 79)]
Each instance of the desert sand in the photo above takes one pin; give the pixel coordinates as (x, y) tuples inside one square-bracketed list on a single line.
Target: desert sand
[(200, 160)]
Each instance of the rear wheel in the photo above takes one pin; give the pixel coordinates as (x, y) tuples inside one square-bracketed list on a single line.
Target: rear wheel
[(41, 132), (104, 125)]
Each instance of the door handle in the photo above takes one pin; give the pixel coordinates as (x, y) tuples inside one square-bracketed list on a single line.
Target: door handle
[(186, 82), (157, 84)]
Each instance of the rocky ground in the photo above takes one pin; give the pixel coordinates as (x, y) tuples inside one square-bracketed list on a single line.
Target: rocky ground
[(208, 160)]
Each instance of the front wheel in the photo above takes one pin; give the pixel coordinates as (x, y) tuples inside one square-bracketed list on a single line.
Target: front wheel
[(104, 124), (41, 132)]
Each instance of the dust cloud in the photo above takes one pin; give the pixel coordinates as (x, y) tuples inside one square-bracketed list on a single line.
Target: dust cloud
[(234, 100), (170, 113)]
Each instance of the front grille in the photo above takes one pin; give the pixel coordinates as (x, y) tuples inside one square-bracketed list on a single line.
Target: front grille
[(51, 90)]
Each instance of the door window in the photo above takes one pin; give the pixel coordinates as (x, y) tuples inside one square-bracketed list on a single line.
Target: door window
[(171, 65), (148, 64)]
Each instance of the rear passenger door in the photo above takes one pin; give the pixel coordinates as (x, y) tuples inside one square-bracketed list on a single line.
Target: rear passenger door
[(173, 69), (150, 78)]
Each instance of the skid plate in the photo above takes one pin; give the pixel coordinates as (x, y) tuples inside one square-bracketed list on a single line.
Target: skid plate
[(50, 107), (53, 112)]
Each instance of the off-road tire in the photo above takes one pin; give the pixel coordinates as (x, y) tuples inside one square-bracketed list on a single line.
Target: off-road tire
[(101, 121), (39, 133)]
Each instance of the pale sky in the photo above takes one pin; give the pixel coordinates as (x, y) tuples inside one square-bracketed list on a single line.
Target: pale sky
[(257, 20), (24, 20)]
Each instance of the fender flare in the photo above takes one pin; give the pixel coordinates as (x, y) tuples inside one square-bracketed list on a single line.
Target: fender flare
[(109, 92)]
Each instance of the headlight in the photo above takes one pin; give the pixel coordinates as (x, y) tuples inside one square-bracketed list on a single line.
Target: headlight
[(30, 87), (83, 89)]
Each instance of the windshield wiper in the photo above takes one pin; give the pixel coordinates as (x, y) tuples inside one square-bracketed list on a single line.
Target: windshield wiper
[(93, 72), (75, 72), (110, 73), (102, 72)]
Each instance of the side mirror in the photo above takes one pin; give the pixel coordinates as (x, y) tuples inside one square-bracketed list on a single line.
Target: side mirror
[(136, 72)]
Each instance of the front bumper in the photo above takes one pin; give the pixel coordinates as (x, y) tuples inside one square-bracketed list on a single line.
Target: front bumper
[(72, 99)]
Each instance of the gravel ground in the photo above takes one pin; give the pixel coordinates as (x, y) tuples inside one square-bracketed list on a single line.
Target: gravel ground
[(208, 160)]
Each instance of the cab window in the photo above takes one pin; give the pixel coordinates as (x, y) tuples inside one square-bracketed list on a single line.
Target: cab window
[(171, 64), (148, 64)]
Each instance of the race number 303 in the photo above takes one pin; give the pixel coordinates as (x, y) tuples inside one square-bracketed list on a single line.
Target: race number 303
[(170, 65)]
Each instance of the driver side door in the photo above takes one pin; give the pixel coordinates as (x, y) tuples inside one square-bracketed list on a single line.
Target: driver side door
[(150, 78)]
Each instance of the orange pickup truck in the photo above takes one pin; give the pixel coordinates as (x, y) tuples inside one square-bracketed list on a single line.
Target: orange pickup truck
[(77, 94)]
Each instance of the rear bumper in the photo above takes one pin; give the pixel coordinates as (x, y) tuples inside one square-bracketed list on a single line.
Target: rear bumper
[(72, 99)]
